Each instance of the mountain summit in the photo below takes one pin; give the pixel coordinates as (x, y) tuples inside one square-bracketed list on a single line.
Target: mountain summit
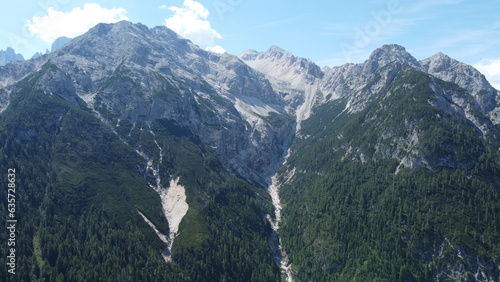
[(389, 54), (281, 65), (130, 72), (467, 77), (140, 156), (9, 55)]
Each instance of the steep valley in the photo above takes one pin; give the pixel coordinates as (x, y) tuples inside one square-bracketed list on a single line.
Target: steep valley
[(141, 157)]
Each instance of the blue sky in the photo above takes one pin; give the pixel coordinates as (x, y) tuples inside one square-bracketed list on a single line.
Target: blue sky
[(329, 33)]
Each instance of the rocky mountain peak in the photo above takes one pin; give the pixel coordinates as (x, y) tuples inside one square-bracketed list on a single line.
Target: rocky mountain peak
[(122, 26), (9, 55), (126, 71), (278, 52), (282, 67), (389, 54), (437, 63), (273, 53), (465, 76), (248, 55)]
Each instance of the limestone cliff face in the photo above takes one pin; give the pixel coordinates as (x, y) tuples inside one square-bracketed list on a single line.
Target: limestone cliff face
[(247, 108), (465, 76), (127, 71)]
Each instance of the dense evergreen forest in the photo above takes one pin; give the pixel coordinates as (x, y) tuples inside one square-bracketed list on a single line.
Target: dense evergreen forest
[(352, 214), (79, 187)]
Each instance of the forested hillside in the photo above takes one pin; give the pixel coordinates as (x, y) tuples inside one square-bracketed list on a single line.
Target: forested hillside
[(399, 191)]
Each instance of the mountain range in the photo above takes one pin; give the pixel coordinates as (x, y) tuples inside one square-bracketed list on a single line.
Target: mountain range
[(140, 156), (9, 55)]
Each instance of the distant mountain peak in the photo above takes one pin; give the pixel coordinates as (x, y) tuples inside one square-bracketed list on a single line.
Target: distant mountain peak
[(442, 55), (275, 50), (9, 55), (59, 42), (438, 61), (388, 54), (448, 69), (248, 54), (283, 67)]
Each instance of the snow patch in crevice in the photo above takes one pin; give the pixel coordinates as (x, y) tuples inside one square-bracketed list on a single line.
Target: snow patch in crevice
[(174, 206), (274, 192)]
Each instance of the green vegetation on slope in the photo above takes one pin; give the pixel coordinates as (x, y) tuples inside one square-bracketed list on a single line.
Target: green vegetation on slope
[(352, 213), (80, 186)]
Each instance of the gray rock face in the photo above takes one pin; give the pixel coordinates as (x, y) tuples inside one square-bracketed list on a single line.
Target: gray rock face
[(245, 107), (465, 76), (348, 80), (345, 80), (388, 54), (296, 79), (281, 66), (127, 71), (461, 265), (9, 55), (359, 85)]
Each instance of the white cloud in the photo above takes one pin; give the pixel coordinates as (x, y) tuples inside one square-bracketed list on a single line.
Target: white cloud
[(76, 22), (190, 21), (216, 49), (491, 69)]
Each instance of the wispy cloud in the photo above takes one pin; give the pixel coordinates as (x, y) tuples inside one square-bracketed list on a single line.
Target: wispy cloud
[(470, 42), (76, 22), (462, 36), (400, 27)]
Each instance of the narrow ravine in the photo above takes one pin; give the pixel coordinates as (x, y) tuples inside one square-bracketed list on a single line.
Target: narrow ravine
[(279, 253), (173, 198), (173, 201)]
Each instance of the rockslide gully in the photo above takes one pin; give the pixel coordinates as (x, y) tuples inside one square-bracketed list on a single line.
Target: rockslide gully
[(280, 255)]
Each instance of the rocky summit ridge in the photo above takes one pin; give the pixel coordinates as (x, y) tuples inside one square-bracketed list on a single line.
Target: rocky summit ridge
[(350, 79), (255, 100), (153, 110), (128, 71)]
